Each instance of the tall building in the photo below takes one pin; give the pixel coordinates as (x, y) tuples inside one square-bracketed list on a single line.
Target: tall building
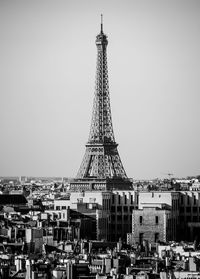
[(101, 168)]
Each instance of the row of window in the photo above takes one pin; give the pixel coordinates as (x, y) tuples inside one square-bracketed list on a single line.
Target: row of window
[(60, 207), (119, 227), (189, 199), (189, 219), (59, 216), (188, 209), (123, 208), (119, 217), (119, 199)]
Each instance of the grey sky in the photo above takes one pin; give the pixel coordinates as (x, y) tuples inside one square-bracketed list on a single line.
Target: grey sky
[(47, 74)]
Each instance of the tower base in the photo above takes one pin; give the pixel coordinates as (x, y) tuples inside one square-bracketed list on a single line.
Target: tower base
[(94, 184)]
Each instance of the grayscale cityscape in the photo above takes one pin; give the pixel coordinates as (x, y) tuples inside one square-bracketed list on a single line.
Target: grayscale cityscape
[(74, 208)]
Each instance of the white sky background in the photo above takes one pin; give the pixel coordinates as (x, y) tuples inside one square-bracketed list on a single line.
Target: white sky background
[(47, 77)]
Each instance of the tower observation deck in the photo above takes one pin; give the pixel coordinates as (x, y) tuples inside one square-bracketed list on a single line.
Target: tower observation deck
[(101, 167)]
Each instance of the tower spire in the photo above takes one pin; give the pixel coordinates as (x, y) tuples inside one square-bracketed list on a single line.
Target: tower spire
[(101, 24)]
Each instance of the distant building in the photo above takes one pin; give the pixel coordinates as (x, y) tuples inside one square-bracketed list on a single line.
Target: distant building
[(34, 240), (12, 200)]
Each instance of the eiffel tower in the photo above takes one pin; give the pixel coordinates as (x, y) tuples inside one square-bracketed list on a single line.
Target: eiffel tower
[(101, 168)]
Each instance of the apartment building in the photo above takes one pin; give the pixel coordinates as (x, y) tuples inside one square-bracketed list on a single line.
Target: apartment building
[(97, 206), (113, 211), (189, 210), (122, 205)]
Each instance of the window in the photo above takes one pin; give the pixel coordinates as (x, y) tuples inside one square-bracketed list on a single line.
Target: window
[(156, 219), (131, 199), (125, 208), (181, 199), (113, 217), (188, 209), (113, 199), (141, 236), (156, 237), (125, 199), (119, 227), (195, 219), (141, 220), (119, 199), (188, 219), (119, 209), (119, 217), (113, 227), (137, 197), (109, 202), (195, 209), (64, 207), (57, 207), (92, 200), (125, 217)]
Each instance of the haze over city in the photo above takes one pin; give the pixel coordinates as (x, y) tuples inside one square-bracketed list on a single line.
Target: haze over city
[(47, 78)]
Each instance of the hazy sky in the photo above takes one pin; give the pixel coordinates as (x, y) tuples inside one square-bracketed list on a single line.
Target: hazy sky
[(47, 77)]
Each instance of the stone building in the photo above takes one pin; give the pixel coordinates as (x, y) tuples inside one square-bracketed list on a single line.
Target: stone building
[(151, 224), (166, 199), (156, 218)]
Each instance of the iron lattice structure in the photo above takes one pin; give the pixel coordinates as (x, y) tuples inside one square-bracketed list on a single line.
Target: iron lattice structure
[(101, 159)]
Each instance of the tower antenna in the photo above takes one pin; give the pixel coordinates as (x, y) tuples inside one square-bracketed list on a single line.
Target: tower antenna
[(101, 23)]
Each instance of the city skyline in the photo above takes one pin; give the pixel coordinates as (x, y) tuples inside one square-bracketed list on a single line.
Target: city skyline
[(48, 56)]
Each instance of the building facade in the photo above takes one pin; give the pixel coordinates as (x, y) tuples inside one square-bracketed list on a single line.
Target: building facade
[(151, 224), (189, 209)]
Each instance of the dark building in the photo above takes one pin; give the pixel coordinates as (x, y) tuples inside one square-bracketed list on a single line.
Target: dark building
[(12, 200)]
